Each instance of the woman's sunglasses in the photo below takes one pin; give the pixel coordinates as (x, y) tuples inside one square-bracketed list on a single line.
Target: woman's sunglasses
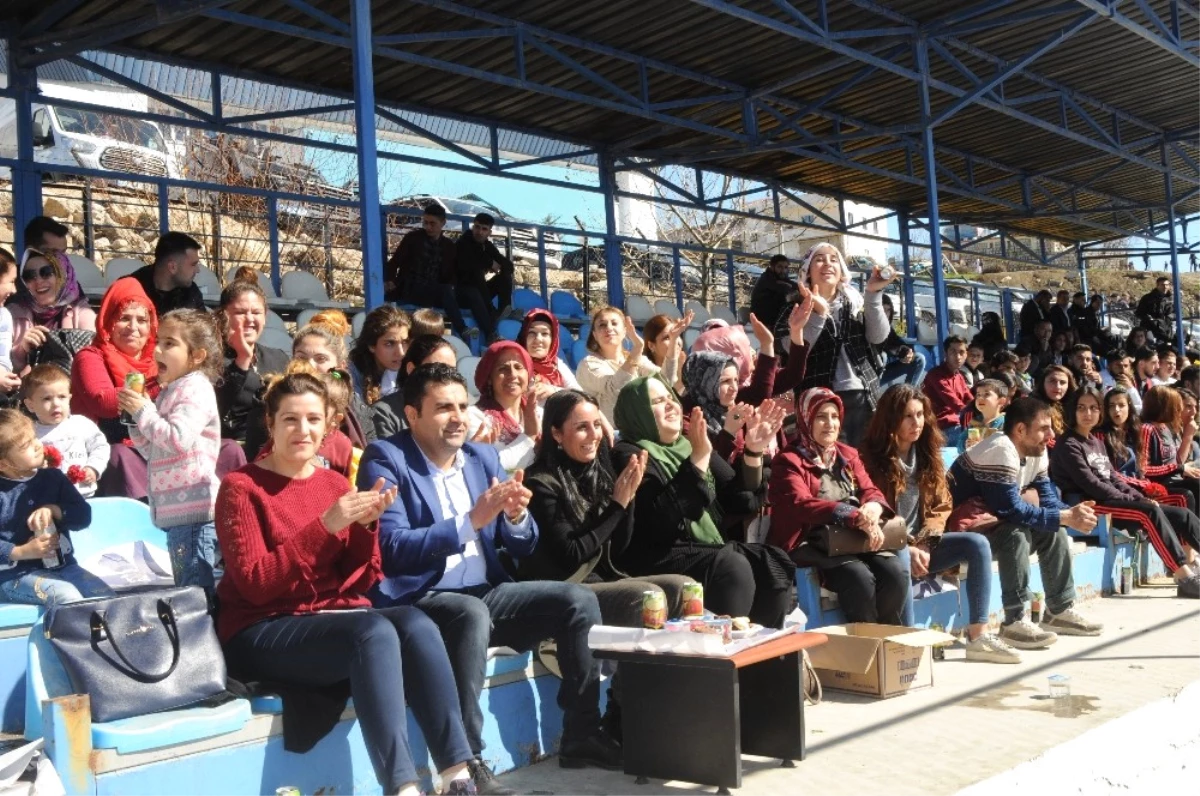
[(45, 272)]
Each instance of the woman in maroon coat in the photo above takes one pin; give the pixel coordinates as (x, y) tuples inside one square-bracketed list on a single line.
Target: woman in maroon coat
[(818, 481)]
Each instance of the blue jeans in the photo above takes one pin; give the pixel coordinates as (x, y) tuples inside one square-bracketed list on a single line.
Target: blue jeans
[(194, 554), (365, 648), (974, 549), (50, 586), (520, 615), (908, 616), (897, 372)]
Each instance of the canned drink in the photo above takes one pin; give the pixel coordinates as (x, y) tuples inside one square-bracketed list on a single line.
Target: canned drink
[(654, 609), (1126, 580), (1036, 608), (887, 272), (693, 601), (287, 791)]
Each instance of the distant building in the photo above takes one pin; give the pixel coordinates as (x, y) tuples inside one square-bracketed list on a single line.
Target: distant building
[(762, 236)]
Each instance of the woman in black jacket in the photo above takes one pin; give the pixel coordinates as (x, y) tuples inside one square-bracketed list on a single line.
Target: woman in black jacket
[(682, 496), (1080, 466), (583, 513)]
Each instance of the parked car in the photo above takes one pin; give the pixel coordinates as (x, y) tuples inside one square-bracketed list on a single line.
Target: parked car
[(66, 136)]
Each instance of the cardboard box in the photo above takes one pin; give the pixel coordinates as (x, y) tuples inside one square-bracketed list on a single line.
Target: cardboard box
[(876, 660)]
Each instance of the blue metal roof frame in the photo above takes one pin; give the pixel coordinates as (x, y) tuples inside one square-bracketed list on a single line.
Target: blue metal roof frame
[(253, 97), (1062, 119)]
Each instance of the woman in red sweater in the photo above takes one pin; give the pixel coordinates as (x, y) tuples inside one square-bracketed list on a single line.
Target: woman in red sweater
[(301, 551), (125, 337), (819, 481)]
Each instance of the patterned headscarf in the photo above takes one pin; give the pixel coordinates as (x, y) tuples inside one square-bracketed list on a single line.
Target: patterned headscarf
[(69, 292), (547, 366), (845, 289), (702, 377), (510, 429), (807, 405), (733, 342)]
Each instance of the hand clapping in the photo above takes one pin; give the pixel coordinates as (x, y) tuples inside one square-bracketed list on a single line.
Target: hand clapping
[(363, 508), (508, 497)]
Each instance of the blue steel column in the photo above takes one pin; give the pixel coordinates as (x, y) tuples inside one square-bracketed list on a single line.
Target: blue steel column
[(910, 305), (368, 164), (1082, 263), (26, 179), (612, 247), (1176, 287), (931, 190)]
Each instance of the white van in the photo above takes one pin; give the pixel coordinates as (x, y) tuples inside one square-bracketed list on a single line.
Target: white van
[(69, 137)]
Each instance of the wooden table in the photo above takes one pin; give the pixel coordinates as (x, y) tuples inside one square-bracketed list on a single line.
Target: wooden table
[(691, 718)]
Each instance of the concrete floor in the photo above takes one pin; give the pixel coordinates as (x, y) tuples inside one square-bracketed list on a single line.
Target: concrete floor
[(979, 720)]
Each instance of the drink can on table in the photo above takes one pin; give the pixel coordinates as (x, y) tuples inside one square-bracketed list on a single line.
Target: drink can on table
[(693, 600), (654, 609)]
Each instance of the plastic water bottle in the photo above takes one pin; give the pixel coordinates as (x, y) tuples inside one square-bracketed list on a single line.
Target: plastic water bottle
[(55, 559)]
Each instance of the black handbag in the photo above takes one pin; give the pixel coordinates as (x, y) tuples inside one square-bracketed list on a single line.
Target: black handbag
[(139, 653), (838, 540)]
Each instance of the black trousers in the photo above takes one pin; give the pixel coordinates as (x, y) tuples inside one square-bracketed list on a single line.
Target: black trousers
[(478, 299), (870, 588), (1166, 527)]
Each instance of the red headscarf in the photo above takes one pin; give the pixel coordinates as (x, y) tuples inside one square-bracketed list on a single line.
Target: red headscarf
[(510, 429), (807, 405), (126, 291), (546, 367)]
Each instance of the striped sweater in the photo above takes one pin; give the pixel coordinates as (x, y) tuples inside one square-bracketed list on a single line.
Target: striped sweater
[(994, 471), (180, 436)]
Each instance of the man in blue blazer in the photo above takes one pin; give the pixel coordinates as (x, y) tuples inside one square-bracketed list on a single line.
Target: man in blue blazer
[(443, 542)]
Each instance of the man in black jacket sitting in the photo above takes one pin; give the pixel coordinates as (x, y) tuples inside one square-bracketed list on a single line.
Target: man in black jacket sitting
[(483, 274)]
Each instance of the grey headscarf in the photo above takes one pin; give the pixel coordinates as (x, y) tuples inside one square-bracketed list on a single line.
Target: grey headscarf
[(702, 377)]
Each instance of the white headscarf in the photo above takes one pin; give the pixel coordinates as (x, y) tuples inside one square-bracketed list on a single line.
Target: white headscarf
[(848, 292)]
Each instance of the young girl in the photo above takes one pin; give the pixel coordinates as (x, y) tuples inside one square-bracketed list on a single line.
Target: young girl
[(387, 414), (9, 381), (180, 436), (1121, 431), (1080, 467), (322, 343), (1161, 458), (39, 507), (375, 360), (1055, 385)]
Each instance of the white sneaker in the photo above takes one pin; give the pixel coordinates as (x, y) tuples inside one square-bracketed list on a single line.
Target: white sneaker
[(1071, 623), (1025, 635), (990, 649)]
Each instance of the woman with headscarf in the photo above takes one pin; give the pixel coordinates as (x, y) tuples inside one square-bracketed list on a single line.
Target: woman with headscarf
[(760, 375), (819, 481), (741, 435), (990, 336), (48, 299), (124, 344), (683, 494), (540, 334), (507, 414), (844, 334)]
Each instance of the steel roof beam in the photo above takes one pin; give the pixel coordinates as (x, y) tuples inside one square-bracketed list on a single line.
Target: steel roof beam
[(1165, 39), (49, 16)]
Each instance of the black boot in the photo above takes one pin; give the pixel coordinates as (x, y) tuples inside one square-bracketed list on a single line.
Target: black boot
[(485, 781)]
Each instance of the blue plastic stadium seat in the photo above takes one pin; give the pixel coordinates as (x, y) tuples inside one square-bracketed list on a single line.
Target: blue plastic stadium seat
[(18, 615), (565, 305), (509, 329), (116, 520), (525, 300), (579, 351), (949, 455)]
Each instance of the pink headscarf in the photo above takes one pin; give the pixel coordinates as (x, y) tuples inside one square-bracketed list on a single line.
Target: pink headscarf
[(731, 341), (807, 405)]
